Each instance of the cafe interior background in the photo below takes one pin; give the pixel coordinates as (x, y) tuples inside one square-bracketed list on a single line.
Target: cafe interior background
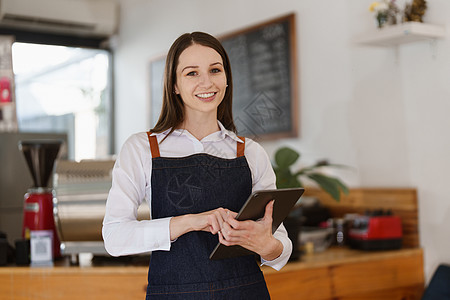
[(383, 111)]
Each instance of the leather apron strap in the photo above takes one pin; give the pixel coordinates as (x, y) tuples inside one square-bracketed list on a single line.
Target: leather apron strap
[(240, 147), (154, 148)]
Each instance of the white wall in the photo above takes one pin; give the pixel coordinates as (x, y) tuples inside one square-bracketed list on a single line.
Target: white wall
[(382, 111)]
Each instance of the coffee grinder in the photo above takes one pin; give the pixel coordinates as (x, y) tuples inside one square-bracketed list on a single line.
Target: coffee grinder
[(40, 156)]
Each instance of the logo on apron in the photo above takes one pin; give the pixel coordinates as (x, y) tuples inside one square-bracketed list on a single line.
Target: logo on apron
[(184, 190)]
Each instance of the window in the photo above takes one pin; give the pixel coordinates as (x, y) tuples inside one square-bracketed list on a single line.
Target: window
[(62, 89)]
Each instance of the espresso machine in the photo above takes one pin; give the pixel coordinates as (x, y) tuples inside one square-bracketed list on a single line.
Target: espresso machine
[(40, 156)]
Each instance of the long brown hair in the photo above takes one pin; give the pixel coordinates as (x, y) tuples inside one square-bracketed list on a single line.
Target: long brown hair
[(172, 111)]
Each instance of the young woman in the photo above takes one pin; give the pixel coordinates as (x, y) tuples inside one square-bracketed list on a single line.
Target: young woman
[(195, 173)]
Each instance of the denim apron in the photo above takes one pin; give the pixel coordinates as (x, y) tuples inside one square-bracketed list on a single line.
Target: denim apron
[(190, 185)]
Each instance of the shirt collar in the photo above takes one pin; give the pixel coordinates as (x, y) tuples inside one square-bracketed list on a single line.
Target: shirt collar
[(225, 132), (219, 135), (164, 133)]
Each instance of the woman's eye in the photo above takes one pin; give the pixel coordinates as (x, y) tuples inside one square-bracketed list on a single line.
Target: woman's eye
[(192, 73), (215, 70)]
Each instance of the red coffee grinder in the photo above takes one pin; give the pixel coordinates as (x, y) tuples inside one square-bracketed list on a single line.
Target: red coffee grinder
[(40, 156)]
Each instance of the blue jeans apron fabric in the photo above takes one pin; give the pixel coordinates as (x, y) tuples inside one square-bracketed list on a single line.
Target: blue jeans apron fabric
[(189, 185)]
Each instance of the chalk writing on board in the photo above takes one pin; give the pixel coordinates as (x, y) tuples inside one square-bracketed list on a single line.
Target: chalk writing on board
[(261, 66)]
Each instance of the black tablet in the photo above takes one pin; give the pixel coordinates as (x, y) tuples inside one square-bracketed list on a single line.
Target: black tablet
[(254, 209)]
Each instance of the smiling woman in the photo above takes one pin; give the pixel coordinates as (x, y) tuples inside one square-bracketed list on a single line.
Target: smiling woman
[(65, 89), (195, 174)]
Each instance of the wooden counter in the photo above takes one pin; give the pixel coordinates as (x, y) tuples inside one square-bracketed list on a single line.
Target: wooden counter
[(341, 273), (338, 273)]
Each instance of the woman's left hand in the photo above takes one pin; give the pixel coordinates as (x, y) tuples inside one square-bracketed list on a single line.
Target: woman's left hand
[(253, 235)]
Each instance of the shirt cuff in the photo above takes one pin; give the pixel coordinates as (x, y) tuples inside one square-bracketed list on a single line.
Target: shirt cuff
[(281, 260), (157, 237)]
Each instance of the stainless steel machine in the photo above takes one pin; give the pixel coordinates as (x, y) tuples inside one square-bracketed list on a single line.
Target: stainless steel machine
[(81, 189)]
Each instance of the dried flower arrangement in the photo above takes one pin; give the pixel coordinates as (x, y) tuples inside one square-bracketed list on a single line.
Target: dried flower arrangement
[(415, 11), (387, 12)]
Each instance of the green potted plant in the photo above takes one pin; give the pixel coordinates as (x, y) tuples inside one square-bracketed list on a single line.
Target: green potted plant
[(285, 157), (286, 178)]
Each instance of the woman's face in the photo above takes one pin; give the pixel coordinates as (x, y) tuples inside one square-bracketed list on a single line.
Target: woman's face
[(201, 79)]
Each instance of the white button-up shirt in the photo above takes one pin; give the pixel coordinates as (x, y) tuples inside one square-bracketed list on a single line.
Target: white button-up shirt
[(123, 234)]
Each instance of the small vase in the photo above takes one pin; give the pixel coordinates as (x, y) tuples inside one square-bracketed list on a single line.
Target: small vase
[(382, 19)]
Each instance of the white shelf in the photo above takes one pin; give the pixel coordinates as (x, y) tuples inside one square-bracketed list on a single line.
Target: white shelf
[(394, 35)]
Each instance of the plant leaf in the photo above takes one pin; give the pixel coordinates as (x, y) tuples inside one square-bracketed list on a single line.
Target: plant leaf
[(342, 186), (285, 157), (330, 185), (325, 163), (304, 171), (285, 179)]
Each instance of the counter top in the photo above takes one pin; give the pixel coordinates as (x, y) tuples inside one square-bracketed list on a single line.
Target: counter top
[(336, 273), (334, 255)]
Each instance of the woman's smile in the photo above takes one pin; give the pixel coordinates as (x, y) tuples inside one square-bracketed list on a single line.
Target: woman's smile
[(206, 97)]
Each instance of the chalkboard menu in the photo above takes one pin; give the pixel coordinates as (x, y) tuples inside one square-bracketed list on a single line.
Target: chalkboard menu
[(264, 79), (263, 64)]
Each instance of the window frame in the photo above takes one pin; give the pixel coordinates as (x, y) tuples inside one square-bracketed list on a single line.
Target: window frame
[(99, 42)]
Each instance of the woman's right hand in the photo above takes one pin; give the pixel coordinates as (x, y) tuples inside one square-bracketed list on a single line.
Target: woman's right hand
[(210, 221)]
